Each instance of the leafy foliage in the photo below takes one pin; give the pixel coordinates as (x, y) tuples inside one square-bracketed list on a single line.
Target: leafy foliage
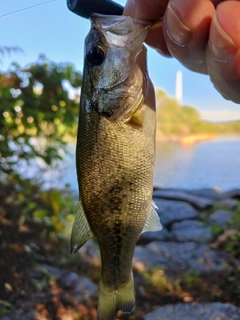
[(35, 103), (233, 245), (33, 222), (39, 111), (8, 50), (174, 119)]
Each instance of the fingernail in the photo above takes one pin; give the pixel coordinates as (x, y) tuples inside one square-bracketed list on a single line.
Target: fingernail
[(221, 45), (176, 30)]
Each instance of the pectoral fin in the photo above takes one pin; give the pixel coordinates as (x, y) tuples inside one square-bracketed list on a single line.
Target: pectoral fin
[(153, 222), (81, 231), (136, 119)]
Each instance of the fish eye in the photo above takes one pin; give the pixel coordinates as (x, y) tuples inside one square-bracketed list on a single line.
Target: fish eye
[(96, 56)]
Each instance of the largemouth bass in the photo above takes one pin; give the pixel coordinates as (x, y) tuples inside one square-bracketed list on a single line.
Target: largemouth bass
[(115, 154)]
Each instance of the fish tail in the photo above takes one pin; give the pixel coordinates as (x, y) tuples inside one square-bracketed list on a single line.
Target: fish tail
[(110, 300)]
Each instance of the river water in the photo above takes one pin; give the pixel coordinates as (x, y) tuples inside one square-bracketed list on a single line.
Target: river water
[(207, 164), (214, 163)]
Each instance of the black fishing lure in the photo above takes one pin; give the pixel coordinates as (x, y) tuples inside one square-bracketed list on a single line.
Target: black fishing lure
[(85, 8)]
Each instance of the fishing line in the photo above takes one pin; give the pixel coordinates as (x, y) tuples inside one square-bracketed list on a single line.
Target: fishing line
[(36, 5)]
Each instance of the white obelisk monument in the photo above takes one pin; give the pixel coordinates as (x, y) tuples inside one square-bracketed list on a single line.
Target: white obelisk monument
[(178, 87)]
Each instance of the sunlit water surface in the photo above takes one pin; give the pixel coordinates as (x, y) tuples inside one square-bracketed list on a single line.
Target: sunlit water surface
[(205, 164)]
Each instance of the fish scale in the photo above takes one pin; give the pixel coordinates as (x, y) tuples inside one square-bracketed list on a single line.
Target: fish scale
[(115, 155)]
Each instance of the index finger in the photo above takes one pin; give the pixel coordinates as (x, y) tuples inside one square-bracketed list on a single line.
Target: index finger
[(145, 10), (151, 10)]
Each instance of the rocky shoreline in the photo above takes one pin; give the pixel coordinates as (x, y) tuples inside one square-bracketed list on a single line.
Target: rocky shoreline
[(197, 225), (188, 243)]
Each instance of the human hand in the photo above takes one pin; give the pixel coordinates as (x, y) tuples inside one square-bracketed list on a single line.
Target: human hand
[(203, 35)]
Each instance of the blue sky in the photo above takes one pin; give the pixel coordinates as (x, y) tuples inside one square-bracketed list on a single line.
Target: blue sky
[(53, 30)]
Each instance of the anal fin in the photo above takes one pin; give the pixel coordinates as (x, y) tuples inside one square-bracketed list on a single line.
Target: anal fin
[(81, 231)]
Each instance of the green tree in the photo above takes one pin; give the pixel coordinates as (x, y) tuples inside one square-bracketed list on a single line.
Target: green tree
[(36, 111), (8, 50), (168, 116), (190, 118), (160, 94)]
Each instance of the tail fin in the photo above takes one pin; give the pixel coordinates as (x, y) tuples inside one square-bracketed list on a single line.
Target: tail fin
[(111, 301)]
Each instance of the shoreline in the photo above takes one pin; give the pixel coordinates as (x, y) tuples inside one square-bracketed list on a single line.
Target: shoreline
[(186, 140), (191, 139)]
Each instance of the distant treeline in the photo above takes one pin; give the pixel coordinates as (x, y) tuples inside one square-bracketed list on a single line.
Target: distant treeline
[(174, 119)]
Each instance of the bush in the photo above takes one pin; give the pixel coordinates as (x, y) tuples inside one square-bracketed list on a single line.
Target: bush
[(37, 112)]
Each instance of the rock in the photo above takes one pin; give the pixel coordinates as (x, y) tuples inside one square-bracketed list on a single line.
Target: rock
[(77, 288), (208, 193), (233, 194), (221, 218), (90, 253), (26, 313), (190, 230), (172, 211), (195, 311), (186, 224), (197, 201), (181, 257), (150, 236), (229, 204), (19, 315)]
